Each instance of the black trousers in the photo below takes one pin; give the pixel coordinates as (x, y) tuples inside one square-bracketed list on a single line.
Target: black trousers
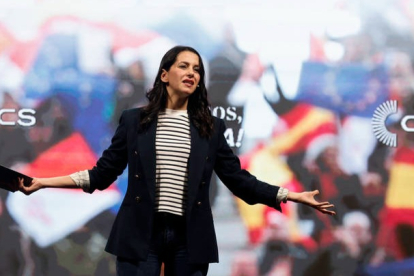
[(168, 246)]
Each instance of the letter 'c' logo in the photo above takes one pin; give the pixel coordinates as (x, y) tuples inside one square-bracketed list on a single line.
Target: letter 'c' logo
[(381, 114)]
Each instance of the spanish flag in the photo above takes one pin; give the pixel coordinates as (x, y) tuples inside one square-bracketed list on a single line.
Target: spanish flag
[(399, 201), (302, 128), (271, 169)]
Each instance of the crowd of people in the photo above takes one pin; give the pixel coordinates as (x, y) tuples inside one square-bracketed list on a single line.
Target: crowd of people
[(286, 141)]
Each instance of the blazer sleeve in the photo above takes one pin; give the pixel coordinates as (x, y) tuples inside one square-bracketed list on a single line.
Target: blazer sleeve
[(240, 182), (113, 160)]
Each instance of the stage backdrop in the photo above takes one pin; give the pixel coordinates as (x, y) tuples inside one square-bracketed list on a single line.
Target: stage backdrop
[(301, 85)]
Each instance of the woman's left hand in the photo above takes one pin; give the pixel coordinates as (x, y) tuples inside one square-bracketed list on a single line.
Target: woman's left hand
[(308, 198)]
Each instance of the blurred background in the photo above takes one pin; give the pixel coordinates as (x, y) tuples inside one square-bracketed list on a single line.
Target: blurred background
[(297, 83)]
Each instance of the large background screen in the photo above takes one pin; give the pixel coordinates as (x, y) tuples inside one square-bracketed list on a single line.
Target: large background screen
[(307, 90)]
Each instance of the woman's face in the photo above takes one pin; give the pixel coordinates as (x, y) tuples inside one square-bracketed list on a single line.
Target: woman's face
[(184, 75)]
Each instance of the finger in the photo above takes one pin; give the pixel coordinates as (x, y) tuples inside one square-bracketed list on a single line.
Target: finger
[(326, 206), (329, 212), (332, 213), (21, 182), (315, 192), (323, 203), (24, 189)]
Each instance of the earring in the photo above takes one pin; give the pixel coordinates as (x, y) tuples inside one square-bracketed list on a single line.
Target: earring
[(198, 85)]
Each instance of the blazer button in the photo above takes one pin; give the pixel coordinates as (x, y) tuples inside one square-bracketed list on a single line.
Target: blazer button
[(199, 203), (207, 158), (135, 152), (137, 199), (137, 176), (203, 183)]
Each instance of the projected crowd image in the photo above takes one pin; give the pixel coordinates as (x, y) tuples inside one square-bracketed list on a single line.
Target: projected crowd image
[(297, 84)]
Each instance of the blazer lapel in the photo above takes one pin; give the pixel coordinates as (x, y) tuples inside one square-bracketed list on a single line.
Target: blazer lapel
[(198, 156), (146, 149)]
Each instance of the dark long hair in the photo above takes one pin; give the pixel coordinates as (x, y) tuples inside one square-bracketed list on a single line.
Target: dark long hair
[(198, 106)]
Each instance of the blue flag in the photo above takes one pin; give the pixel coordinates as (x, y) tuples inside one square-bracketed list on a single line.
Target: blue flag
[(349, 89)]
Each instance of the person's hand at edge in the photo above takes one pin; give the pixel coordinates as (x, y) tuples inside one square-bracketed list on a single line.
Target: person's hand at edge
[(308, 198), (32, 187)]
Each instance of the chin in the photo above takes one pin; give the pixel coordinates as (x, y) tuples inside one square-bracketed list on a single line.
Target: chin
[(188, 92)]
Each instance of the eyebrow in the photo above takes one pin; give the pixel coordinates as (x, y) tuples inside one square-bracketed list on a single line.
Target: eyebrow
[(187, 63)]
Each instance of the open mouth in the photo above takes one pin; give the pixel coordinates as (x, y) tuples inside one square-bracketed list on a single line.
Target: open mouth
[(189, 82)]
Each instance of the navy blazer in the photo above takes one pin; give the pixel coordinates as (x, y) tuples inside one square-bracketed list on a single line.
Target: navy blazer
[(132, 146)]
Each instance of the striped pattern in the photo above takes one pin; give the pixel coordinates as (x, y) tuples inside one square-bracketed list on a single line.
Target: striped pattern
[(172, 145)]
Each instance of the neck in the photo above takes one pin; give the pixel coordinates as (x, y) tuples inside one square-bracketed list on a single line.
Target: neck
[(177, 104)]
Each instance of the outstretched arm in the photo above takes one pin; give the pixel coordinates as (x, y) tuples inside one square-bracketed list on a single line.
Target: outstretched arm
[(307, 198), (40, 183), (111, 164)]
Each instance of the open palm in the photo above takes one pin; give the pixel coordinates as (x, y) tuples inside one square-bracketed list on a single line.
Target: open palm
[(308, 198)]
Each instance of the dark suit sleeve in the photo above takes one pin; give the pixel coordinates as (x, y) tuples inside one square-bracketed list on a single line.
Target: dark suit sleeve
[(240, 182), (113, 160)]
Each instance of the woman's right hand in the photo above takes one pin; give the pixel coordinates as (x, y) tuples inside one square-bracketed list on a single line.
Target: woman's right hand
[(32, 187)]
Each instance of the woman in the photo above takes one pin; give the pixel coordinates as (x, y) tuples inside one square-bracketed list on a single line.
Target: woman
[(171, 147)]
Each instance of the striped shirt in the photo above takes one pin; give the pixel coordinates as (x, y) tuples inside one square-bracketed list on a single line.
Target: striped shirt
[(172, 147)]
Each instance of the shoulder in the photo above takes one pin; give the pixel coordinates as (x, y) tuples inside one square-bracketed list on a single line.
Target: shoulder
[(132, 113), (130, 117)]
